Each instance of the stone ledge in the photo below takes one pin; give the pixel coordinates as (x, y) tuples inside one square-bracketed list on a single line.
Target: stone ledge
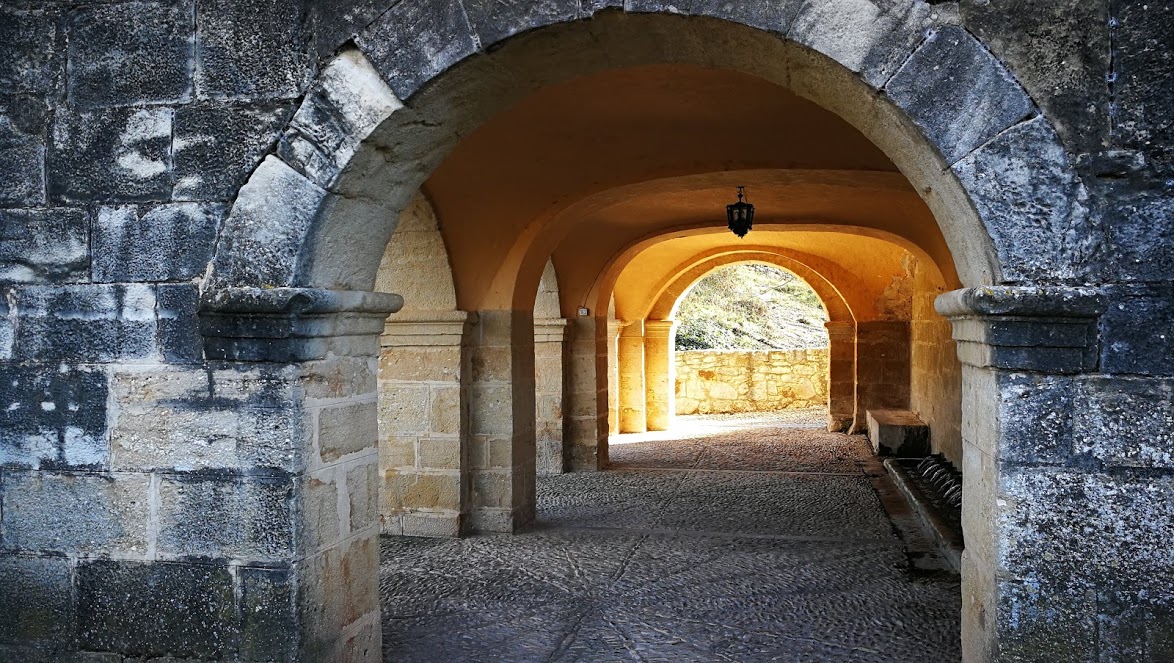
[(1024, 301), (292, 324), (1045, 329)]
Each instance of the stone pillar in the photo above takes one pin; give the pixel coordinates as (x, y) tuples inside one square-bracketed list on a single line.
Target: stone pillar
[(841, 375), (423, 425), (659, 381), (614, 328), (1062, 522), (501, 421), (633, 418), (548, 395), (295, 518), (586, 411), (882, 368)]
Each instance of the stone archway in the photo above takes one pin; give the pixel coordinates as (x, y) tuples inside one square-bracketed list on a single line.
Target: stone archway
[(999, 229)]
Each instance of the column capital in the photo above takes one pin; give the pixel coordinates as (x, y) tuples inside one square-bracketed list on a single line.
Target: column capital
[(426, 328), (549, 330), (659, 328), (292, 324), (1044, 329), (840, 329)]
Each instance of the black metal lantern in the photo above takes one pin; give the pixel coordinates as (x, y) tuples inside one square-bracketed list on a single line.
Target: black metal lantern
[(740, 215)]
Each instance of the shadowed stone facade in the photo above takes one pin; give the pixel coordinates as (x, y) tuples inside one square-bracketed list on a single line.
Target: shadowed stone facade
[(197, 196)]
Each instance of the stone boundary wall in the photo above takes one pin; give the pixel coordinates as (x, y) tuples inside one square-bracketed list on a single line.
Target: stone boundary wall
[(725, 381)]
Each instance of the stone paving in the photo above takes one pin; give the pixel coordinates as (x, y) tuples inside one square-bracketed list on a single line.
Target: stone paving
[(744, 538)]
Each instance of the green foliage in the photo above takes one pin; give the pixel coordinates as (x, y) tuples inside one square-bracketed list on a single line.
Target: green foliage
[(750, 307)]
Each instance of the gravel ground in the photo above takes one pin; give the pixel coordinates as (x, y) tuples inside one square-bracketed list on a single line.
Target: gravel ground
[(738, 538)]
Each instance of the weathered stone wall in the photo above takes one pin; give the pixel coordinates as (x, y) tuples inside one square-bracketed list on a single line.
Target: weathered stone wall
[(128, 128), (935, 382), (726, 381)]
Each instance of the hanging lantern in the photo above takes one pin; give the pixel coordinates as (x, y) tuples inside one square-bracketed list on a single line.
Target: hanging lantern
[(740, 215)]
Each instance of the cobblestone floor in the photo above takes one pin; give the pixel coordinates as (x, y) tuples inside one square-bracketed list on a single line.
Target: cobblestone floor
[(752, 538)]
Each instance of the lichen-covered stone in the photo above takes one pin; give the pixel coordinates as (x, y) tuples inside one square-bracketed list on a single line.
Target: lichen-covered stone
[(1060, 52), (414, 41), (1125, 421), (1138, 329), (86, 323), (957, 93), (248, 518), (1139, 224), (76, 512), (131, 53), (22, 151), (170, 242), (218, 145), (268, 630), (1027, 194), (151, 609), (44, 245), (250, 50), (33, 61), (495, 20), (52, 417), (121, 154)]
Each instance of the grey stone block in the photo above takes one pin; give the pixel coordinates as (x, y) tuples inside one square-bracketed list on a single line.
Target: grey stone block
[(1034, 207), (1056, 57), (337, 23), (251, 50), (111, 154), (53, 418), (1057, 618), (897, 433), (268, 625), (204, 419), (156, 608), (1144, 84), (362, 484), (75, 513), (1139, 221), (1106, 529), (1035, 418), (170, 242), (414, 41), (957, 93), (247, 518), (177, 307), (94, 323), (44, 245), (495, 20), (869, 37), (347, 429), (131, 53), (36, 601), (22, 151), (1138, 330), (1125, 422), (32, 61), (349, 101), (217, 146), (266, 228)]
